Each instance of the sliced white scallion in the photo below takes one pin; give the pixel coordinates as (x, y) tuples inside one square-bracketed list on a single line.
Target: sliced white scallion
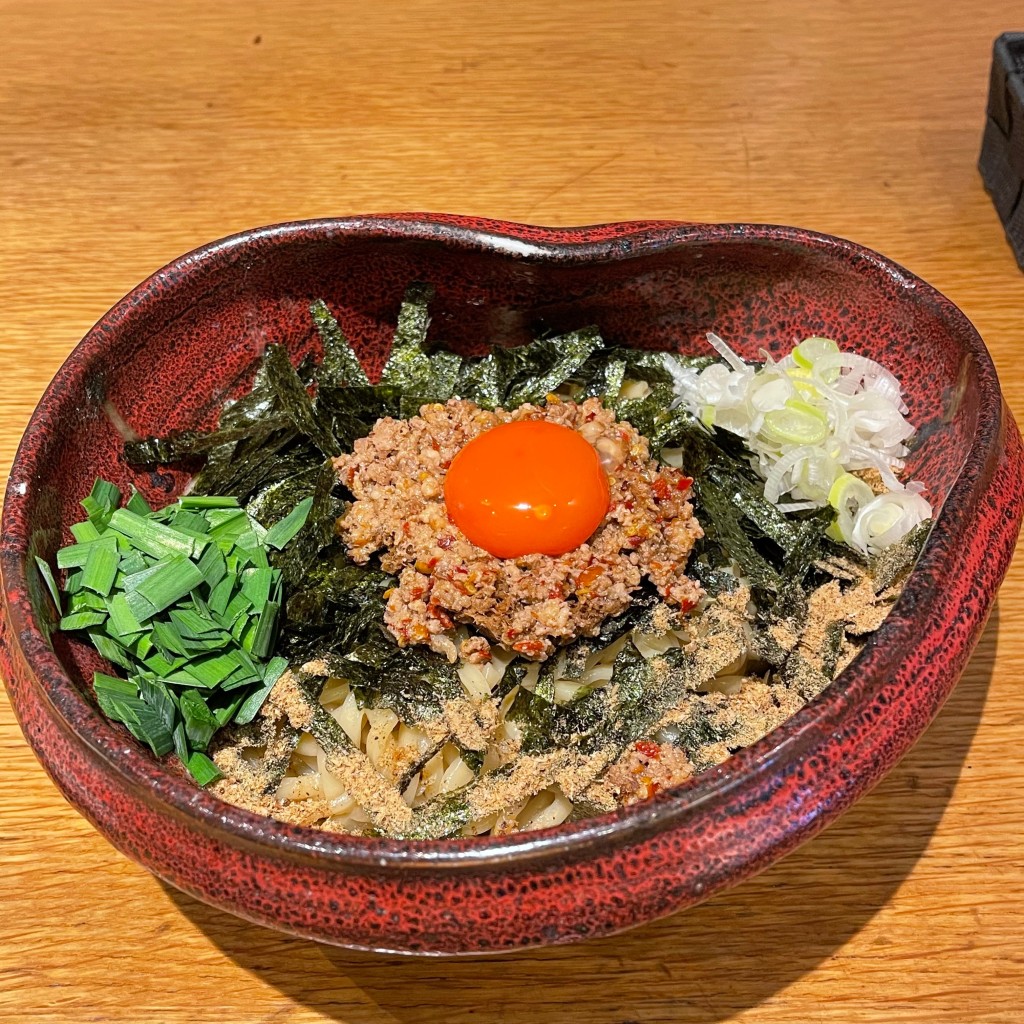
[(808, 420), (887, 518), (813, 349), (795, 423)]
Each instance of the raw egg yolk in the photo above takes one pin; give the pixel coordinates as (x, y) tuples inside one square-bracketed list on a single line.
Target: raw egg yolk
[(529, 487)]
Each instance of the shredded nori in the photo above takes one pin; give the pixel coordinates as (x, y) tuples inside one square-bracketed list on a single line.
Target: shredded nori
[(566, 354), (545, 725), (409, 367), (895, 561), (696, 731), (340, 366)]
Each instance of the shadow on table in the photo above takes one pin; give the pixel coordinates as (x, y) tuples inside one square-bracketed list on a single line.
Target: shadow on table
[(703, 964)]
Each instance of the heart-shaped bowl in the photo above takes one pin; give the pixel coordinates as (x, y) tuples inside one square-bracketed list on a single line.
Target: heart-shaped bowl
[(168, 354)]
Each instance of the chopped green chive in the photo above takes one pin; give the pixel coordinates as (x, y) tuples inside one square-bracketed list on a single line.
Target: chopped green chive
[(85, 531), (200, 722), (283, 530), (75, 555), (150, 536), (82, 620), (185, 600), (138, 504), (175, 579), (250, 708), (122, 622), (207, 501), (51, 584), (112, 650), (105, 494), (263, 638), (101, 565), (213, 566), (256, 585), (83, 600), (203, 770), (220, 595)]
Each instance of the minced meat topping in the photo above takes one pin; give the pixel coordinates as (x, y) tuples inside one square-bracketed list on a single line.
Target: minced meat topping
[(531, 604)]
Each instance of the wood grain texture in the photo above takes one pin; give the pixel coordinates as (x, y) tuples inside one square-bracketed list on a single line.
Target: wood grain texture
[(130, 133)]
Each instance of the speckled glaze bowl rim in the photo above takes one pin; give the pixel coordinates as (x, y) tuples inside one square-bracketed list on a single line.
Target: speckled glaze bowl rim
[(784, 745)]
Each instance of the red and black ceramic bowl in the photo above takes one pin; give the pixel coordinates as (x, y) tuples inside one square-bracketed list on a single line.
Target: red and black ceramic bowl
[(169, 353)]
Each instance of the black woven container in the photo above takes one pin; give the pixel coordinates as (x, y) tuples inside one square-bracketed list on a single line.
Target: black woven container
[(1002, 148)]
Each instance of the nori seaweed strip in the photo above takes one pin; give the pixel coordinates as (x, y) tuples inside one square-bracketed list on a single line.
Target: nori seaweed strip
[(649, 365), (806, 542), (322, 725), (832, 642), (173, 447), (696, 731), (646, 689), (186, 444), (651, 689), (799, 538), (446, 814), (579, 722), (545, 688), (800, 675), (670, 426), (295, 401), (474, 758), (510, 679), (522, 362), (252, 407), (278, 738), (444, 375), (575, 663), (340, 606), (276, 500), (715, 580), (613, 378), (421, 761), (415, 684), (412, 697), (726, 496), (645, 365), (887, 568), (429, 665), (306, 640), (249, 467), (571, 351), (278, 755), (723, 525), (340, 367), (351, 638), (483, 381), (352, 411), (510, 376), (441, 818), (408, 367), (646, 413), (328, 733)]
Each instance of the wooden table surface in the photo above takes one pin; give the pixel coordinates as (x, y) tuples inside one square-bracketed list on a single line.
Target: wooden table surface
[(132, 132)]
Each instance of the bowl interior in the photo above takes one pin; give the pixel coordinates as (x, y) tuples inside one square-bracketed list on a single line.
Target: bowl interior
[(168, 356)]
